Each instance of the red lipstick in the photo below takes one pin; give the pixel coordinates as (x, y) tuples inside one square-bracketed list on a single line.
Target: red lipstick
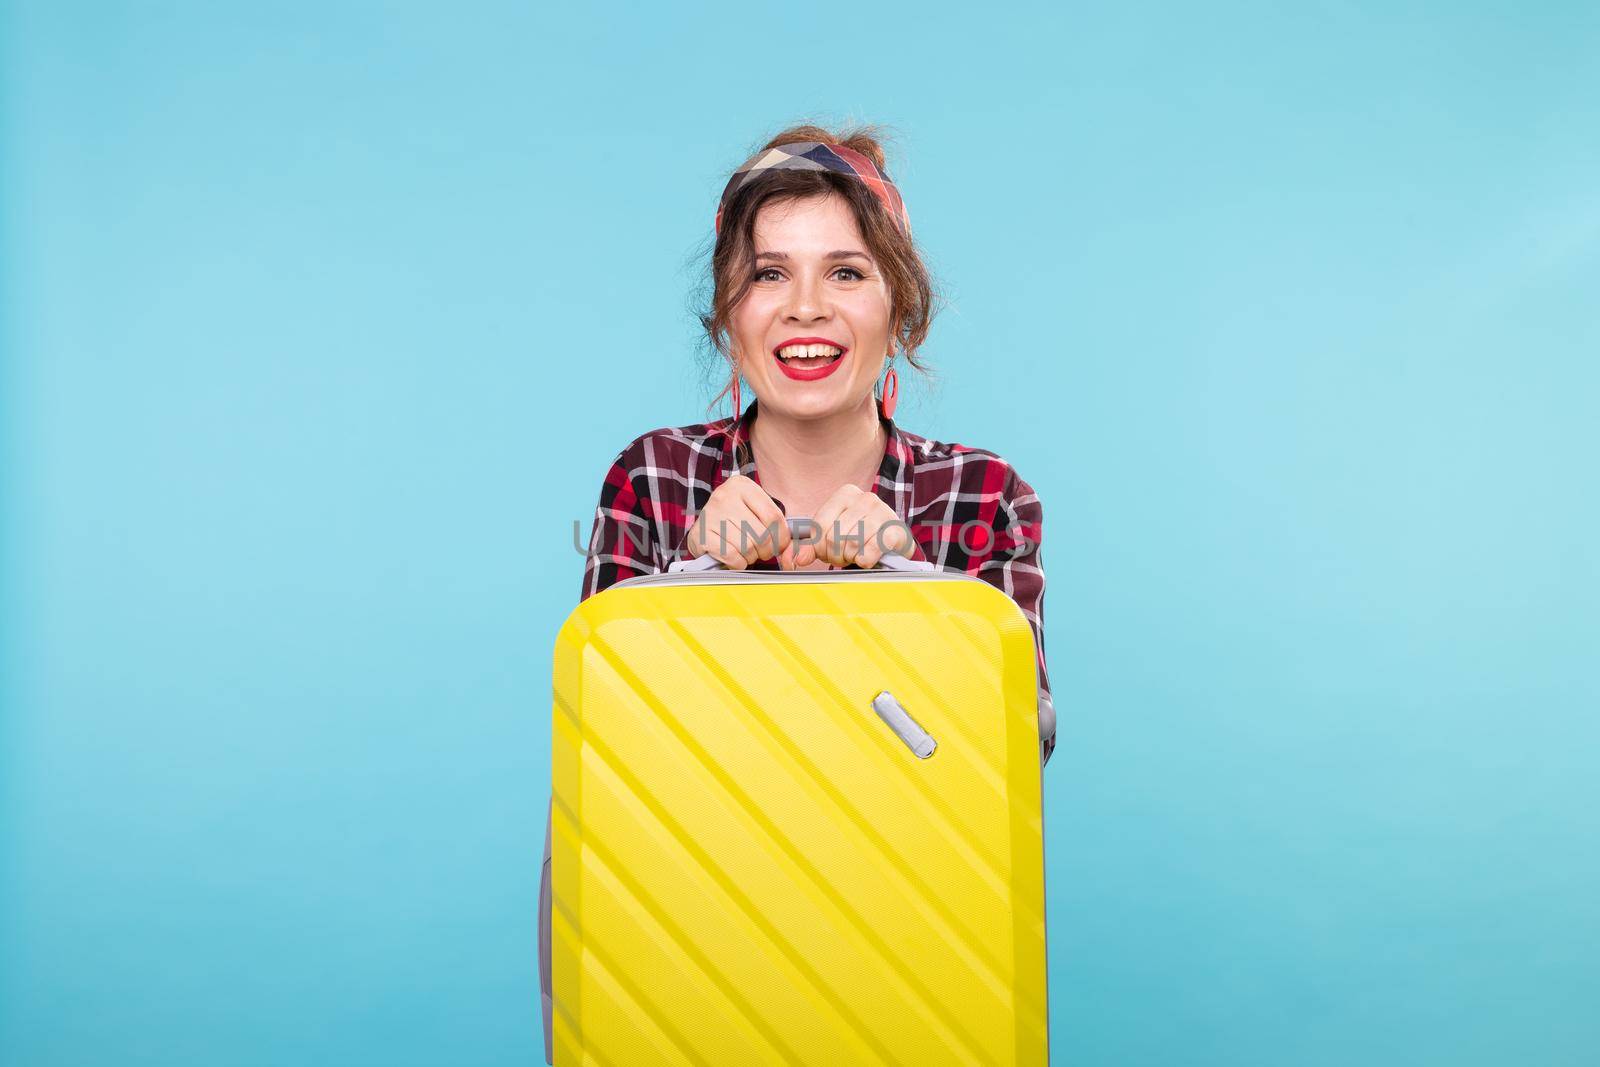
[(809, 374)]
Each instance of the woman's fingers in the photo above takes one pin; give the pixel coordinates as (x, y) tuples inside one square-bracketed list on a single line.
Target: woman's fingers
[(863, 522), (872, 520), (805, 549), (741, 524), (724, 542), (836, 533), (737, 548), (858, 527), (770, 534), (886, 532), (715, 531)]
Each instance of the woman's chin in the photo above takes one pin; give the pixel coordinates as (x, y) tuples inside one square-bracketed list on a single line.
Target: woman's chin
[(810, 403)]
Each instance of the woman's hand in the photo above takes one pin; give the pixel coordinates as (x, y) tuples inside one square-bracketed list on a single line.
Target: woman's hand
[(741, 524), (855, 527)]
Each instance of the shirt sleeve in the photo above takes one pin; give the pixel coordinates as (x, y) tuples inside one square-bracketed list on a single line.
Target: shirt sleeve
[(622, 539), (1015, 566)]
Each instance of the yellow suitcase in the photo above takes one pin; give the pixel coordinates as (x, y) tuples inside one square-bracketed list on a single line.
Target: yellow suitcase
[(796, 820)]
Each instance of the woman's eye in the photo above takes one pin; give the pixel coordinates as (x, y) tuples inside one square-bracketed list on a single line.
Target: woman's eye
[(762, 275)]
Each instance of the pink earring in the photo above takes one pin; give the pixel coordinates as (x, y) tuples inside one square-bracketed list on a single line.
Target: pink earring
[(891, 391), (738, 408)]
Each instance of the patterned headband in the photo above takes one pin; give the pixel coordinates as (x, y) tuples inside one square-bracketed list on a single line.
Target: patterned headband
[(818, 155)]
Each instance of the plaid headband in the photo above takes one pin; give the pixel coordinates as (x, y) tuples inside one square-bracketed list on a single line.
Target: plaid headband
[(817, 155)]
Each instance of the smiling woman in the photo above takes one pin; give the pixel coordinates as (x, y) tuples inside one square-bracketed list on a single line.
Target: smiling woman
[(817, 287)]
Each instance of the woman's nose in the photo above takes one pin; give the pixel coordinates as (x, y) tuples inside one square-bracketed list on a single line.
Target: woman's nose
[(807, 299)]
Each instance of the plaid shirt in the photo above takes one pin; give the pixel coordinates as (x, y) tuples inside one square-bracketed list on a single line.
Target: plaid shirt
[(968, 510)]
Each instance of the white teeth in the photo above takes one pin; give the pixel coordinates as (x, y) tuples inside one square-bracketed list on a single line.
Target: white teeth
[(808, 351)]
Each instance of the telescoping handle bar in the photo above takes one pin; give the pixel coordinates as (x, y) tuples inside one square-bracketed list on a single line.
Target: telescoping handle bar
[(798, 526)]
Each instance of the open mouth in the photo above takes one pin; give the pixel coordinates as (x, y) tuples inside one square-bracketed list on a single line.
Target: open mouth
[(808, 362)]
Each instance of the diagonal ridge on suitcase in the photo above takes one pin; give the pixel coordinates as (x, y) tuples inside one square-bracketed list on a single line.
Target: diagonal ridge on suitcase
[(975, 650), (951, 927), (1031, 1008), (607, 863), (981, 861), (972, 648), (990, 774), (920, 994), (658, 812), (609, 972)]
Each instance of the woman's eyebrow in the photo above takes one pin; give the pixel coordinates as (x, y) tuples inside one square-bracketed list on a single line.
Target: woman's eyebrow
[(843, 253)]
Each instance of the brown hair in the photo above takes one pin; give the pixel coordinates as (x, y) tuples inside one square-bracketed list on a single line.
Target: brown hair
[(912, 294)]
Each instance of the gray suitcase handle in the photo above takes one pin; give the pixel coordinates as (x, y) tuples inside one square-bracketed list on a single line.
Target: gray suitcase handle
[(546, 1003), (893, 561)]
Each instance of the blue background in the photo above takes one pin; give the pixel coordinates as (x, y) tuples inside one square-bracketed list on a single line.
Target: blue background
[(320, 326)]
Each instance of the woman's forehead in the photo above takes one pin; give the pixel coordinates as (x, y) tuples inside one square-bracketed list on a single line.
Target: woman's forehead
[(809, 224)]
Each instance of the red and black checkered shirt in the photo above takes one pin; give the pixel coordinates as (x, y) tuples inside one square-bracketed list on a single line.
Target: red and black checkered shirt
[(967, 508)]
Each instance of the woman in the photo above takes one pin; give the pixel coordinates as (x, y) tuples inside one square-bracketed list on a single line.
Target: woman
[(817, 285)]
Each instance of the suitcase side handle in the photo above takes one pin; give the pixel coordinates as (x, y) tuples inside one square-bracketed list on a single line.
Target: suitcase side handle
[(892, 561), (546, 993)]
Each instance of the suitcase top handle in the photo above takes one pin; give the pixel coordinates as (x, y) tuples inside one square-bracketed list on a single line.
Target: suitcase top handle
[(797, 527)]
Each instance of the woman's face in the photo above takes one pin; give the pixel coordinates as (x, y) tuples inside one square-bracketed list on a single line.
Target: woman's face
[(814, 280)]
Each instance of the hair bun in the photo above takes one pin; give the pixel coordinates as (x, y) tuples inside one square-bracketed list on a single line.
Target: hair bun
[(868, 140)]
